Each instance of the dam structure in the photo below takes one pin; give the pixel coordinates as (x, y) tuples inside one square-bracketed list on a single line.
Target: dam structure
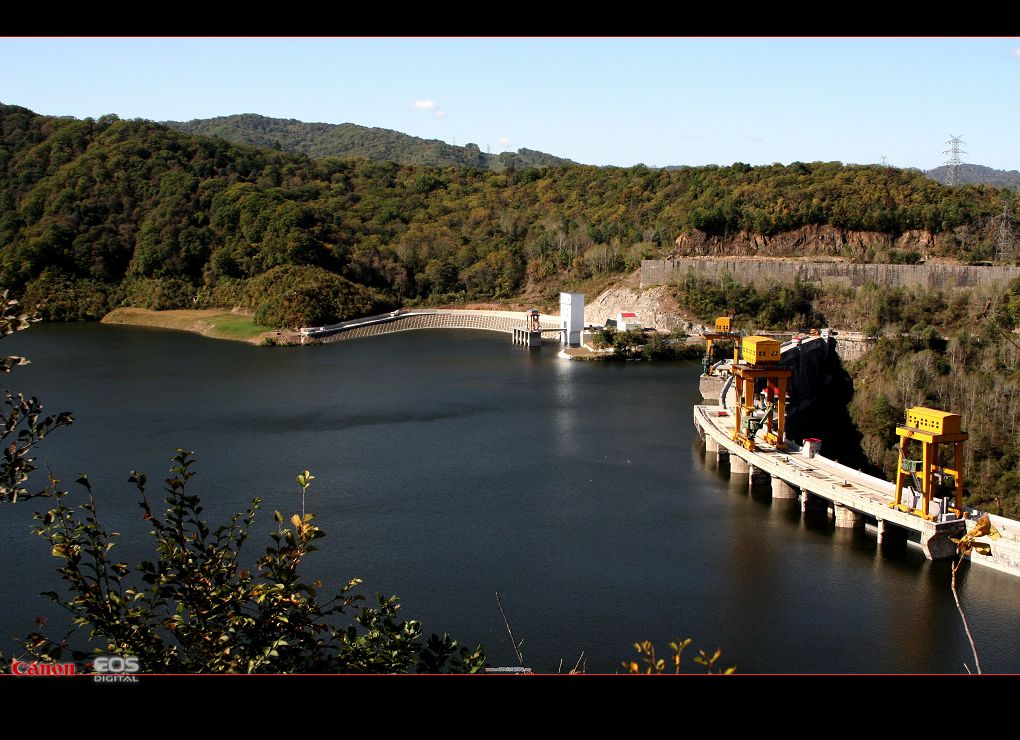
[(506, 322), (794, 469), (527, 328)]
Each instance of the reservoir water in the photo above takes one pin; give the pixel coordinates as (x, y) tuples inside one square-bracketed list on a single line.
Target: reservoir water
[(451, 465)]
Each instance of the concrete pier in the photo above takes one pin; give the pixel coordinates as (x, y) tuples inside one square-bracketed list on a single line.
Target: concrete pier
[(936, 542), (847, 518), (757, 476), (527, 337), (782, 489), (715, 453), (811, 502), (890, 534), (739, 466)]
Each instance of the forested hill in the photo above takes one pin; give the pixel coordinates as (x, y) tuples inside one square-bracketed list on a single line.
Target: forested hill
[(318, 140), (976, 174), (99, 213)]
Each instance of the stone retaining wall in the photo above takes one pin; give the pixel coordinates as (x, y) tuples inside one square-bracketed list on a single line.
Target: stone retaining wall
[(930, 276)]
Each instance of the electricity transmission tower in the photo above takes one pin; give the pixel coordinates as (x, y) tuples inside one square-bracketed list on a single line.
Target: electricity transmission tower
[(884, 162), (1005, 242), (954, 153)]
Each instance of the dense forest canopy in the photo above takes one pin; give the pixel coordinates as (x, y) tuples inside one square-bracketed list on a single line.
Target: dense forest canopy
[(318, 140), (99, 213), (976, 174), (948, 351)]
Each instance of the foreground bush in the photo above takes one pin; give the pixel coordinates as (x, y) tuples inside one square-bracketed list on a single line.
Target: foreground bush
[(194, 608)]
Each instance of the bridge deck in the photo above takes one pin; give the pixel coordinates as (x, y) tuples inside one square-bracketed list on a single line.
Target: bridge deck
[(861, 493), (810, 474)]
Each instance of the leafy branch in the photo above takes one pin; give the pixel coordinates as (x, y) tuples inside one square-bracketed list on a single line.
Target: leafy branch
[(197, 610), (22, 424), (653, 664)]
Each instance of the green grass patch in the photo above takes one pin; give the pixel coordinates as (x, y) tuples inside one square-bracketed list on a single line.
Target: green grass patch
[(232, 325)]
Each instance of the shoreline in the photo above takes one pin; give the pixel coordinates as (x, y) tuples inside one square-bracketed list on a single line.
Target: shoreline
[(233, 325), (215, 323)]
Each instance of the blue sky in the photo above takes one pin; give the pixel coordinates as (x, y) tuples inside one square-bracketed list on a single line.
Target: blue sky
[(597, 101)]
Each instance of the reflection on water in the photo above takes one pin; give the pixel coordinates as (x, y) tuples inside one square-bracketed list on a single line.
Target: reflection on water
[(894, 606), (451, 465)]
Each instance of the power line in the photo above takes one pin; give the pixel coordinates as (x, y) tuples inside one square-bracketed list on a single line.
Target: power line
[(988, 320), (1004, 242), (954, 161)]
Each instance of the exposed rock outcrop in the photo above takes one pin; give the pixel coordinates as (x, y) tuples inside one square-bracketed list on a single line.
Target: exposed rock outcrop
[(655, 308), (808, 241)]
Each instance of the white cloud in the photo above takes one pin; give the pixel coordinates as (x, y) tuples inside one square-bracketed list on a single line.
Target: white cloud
[(503, 141), (1016, 53), (431, 105)]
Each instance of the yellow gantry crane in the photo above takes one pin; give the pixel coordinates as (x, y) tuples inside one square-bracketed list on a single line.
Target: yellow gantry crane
[(722, 331), (931, 428), (756, 358)]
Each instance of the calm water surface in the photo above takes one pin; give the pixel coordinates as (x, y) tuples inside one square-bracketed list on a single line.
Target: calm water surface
[(450, 465)]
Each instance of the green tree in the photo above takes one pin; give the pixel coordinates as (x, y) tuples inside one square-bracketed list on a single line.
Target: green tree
[(629, 343), (602, 338), (439, 276), (22, 423), (198, 609)]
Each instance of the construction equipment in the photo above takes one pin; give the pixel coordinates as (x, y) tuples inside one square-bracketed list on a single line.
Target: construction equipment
[(723, 330), (759, 351), (753, 424), (930, 480), (757, 358)]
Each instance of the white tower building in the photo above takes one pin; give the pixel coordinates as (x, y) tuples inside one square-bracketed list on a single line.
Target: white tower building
[(572, 317)]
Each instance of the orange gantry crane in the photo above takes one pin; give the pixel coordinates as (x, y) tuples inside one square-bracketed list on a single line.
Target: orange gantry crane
[(932, 429), (723, 330), (757, 358)]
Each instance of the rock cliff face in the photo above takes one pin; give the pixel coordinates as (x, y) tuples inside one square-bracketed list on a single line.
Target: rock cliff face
[(810, 241)]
